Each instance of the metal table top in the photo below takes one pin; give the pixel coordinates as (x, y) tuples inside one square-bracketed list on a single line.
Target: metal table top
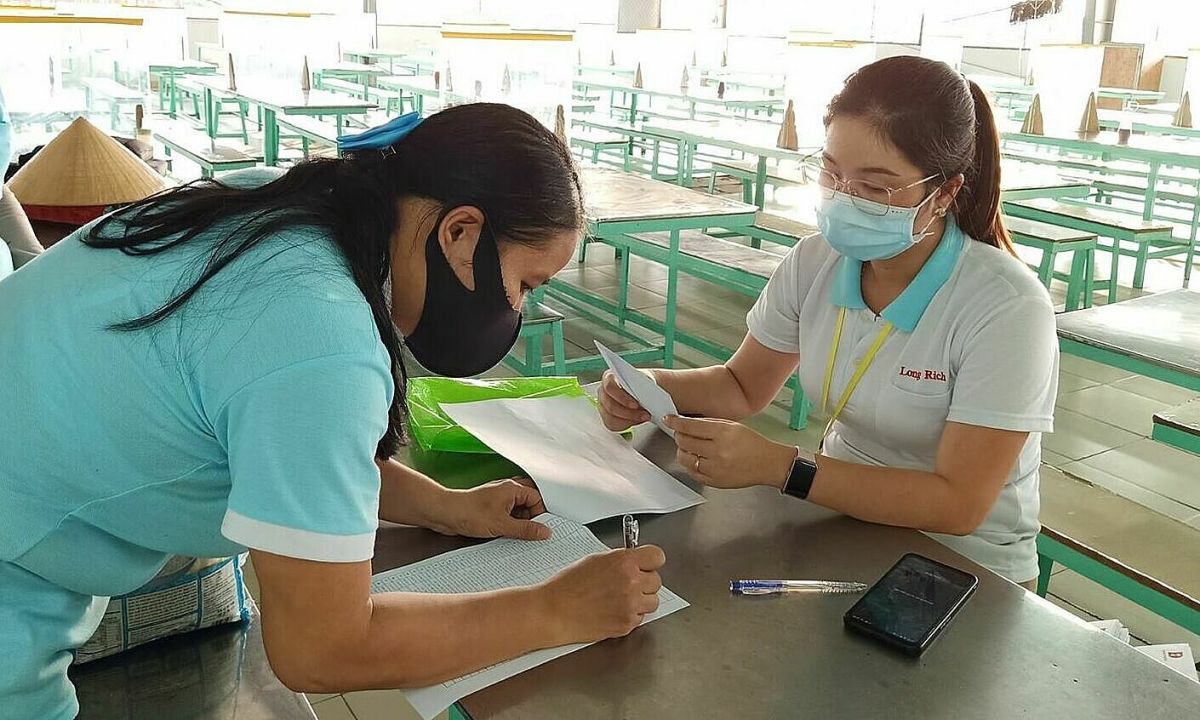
[(289, 100), (1008, 654), (220, 673), (613, 196), (755, 137), (183, 67), (1162, 329), (350, 68)]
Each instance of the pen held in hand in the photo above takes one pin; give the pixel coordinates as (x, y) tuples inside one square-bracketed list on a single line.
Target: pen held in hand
[(629, 531)]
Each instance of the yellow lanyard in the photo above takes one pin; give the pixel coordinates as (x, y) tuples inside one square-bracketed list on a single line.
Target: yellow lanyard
[(858, 371)]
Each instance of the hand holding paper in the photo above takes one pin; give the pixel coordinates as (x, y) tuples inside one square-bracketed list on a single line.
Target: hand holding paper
[(653, 398)]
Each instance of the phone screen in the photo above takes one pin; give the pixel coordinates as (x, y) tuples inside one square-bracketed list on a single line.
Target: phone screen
[(912, 602)]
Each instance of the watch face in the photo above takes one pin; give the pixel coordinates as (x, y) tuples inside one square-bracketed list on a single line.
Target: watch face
[(801, 478)]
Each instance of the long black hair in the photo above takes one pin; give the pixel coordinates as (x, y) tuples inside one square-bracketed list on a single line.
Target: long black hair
[(490, 156), (943, 124)]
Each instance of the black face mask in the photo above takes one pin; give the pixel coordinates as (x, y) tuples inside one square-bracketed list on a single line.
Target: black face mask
[(463, 332)]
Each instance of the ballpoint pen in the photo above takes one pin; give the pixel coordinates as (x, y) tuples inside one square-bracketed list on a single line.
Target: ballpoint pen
[(629, 528), (773, 587)]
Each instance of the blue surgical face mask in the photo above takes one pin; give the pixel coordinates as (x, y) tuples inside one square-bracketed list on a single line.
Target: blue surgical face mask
[(878, 233)]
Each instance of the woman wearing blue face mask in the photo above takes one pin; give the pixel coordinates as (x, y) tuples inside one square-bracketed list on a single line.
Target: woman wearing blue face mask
[(928, 344), (221, 370)]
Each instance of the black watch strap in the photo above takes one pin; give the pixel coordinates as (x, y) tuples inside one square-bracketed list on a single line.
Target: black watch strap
[(800, 479)]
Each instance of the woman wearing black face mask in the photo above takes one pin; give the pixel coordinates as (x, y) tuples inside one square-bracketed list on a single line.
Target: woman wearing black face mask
[(226, 357)]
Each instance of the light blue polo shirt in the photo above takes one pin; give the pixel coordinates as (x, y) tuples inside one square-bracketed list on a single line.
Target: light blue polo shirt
[(248, 419)]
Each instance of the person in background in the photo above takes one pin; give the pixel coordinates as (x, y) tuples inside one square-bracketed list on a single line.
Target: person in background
[(18, 244), (221, 370), (928, 344)]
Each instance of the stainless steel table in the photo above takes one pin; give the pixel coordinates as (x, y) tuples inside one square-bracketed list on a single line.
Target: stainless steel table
[(1009, 654)]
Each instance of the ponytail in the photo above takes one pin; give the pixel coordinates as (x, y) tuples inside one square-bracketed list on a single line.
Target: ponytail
[(977, 206)]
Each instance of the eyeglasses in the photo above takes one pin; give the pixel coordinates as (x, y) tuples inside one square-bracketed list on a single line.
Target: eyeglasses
[(878, 198)]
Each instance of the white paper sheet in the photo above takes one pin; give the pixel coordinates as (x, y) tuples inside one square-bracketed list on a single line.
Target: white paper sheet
[(583, 471), (490, 566), (1177, 656), (648, 393)]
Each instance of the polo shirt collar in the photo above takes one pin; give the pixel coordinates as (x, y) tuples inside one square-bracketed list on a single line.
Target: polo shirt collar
[(906, 310)]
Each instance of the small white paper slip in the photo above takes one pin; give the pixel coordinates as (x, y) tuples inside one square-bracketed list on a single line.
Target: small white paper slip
[(583, 471), (1177, 656), (490, 566), (1113, 628), (648, 393)]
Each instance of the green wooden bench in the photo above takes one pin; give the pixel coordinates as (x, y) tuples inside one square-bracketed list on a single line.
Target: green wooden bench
[(1053, 240), (1153, 238), (309, 130), (598, 143), (1179, 426), (775, 229), (746, 171), (224, 103), (387, 99), (1150, 593), (195, 145), (539, 320)]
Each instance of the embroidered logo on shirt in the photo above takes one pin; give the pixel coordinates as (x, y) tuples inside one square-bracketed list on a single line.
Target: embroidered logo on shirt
[(915, 374)]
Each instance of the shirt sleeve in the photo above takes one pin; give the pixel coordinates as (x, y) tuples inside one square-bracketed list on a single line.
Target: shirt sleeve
[(301, 446), (1008, 375), (774, 320)]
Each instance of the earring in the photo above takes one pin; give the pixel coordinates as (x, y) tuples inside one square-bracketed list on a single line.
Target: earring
[(940, 212)]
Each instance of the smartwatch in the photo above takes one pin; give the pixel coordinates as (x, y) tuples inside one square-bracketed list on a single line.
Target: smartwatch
[(800, 479)]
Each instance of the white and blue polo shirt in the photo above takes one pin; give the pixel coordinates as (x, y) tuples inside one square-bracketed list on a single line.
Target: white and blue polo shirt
[(974, 343)]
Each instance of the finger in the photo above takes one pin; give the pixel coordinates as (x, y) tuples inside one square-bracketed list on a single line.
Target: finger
[(522, 480), (525, 530), (616, 393), (526, 497), (697, 427), (651, 583), (649, 557), (635, 415), (694, 445), (646, 604)]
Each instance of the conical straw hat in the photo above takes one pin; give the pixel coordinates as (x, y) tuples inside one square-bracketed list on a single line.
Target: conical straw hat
[(693, 58), (1183, 116), (788, 139), (437, 79), (506, 81), (637, 76), (1090, 122), (232, 74), (560, 124), (1033, 124), (683, 81), (449, 81), (305, 77), (724, 58), (83, 167), (721, 90), (612, 57)]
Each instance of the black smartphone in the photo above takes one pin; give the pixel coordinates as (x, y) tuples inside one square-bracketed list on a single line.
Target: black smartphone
[(912, 603)]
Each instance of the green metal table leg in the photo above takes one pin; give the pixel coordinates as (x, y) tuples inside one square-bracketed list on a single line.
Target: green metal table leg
[(1090, 277), (1139, 270), (560, 352), (672, 301), (270, 138), (1045, 567), (1046, 269), (1112, 280), (623, 286), (633, 107), (760, 182)]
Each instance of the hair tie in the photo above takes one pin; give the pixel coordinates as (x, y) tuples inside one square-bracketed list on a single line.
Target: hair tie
[(383, 137)]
